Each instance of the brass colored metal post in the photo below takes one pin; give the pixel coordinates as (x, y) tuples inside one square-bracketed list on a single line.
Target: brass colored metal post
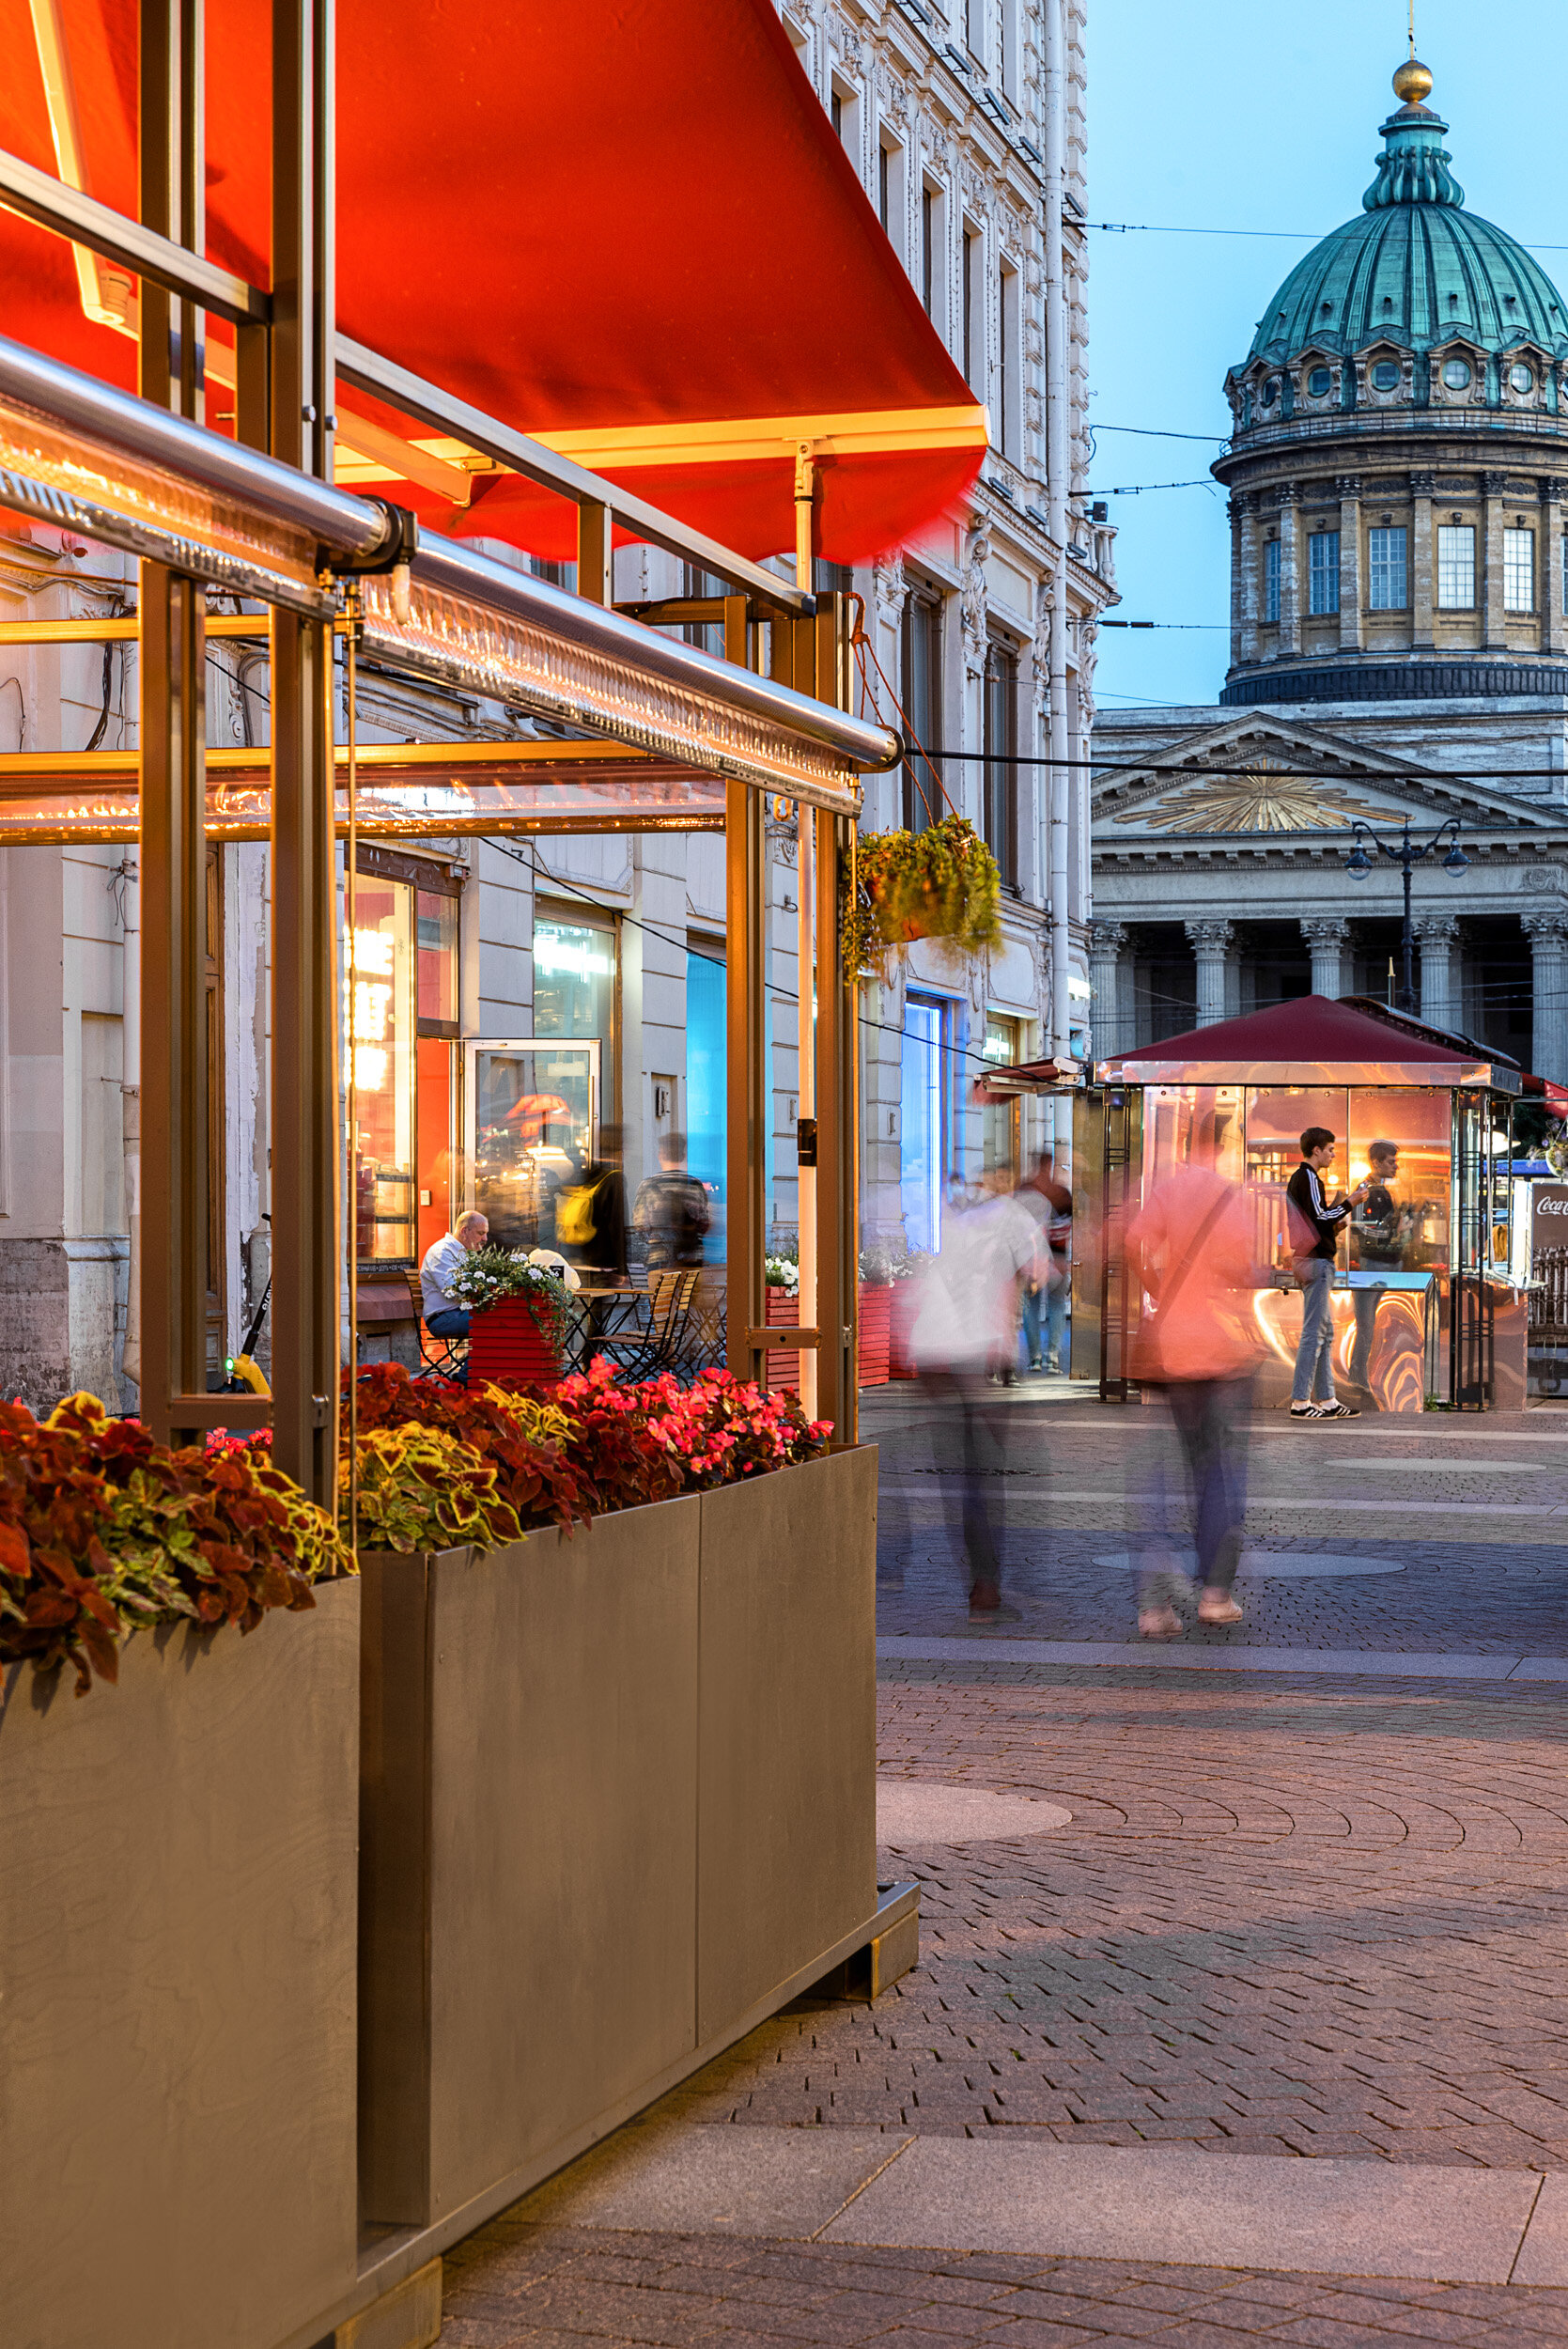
[(746, 1026), (596, 554), (172, 1223), (306, 1237), (837, 1078)]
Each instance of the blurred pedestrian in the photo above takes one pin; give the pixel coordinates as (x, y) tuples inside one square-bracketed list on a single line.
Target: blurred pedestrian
[(590, 1216), (966, 1325), (671, 1210), (1315, 1221), (1050, 1202), (1191, 1249)]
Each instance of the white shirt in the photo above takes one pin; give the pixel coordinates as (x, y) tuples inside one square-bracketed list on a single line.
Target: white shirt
[(436, 1273), (968, 1309)]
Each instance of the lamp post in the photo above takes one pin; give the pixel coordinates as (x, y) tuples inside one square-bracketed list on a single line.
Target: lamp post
[(1406, 855)]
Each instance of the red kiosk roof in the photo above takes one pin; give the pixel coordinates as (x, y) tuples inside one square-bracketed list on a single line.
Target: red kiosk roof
[(1308, 1028), (628, 229)]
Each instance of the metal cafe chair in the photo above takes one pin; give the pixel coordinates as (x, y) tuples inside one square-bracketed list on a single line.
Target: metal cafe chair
[(661, 1343), (439, 1358)]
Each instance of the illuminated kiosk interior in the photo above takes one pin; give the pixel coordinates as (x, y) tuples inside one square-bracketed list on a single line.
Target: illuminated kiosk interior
[(1424, 1307)]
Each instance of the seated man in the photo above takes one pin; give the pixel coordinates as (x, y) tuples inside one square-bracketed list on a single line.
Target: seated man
[(443, 1319)]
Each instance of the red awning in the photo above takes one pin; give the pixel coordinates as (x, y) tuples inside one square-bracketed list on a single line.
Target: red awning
[(1314, 1040), (623, 228), (1555, 1097)]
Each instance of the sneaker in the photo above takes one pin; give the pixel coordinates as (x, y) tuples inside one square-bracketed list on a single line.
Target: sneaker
[(1338, 1410), (1305, 1411)]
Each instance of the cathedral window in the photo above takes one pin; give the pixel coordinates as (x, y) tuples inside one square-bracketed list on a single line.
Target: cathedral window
[(1521, 377), (1456, 567), (1518, 571), (1456, 373), (1271, 581), (1385, 376), (1386, 570), (1319, 381), (1324, 571)]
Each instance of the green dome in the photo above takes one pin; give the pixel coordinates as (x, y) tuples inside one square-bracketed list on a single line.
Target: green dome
[(1413, 269)]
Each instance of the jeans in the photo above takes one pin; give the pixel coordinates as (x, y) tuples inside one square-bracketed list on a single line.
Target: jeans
[(980, 1415), (1052, 1299), (451, 1322), (1211, 1419), (1314, 1356)]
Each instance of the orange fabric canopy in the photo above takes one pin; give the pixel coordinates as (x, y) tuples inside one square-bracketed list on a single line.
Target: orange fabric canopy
[(625, 225)]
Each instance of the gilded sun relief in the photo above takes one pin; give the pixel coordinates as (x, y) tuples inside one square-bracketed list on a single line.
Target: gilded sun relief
[(1258, 799)]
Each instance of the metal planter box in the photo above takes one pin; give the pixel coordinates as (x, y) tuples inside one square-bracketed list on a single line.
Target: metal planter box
[(177, 1990), (618, 1805)]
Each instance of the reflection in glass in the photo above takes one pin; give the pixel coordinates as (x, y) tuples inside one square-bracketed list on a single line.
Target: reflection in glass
[(379, 1019), (532, 1111), (1401, 1141)]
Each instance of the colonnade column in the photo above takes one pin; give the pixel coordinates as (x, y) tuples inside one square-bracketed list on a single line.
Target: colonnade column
[(1422, 551), (1548, 950), (1106, 945), (1349, 486), (1438, 935), (1212, 947), (1327, 936)]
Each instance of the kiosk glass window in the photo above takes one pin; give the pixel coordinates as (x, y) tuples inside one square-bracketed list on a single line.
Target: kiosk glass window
[(1190, 1125), (1401, 1141), (1277, 1117)]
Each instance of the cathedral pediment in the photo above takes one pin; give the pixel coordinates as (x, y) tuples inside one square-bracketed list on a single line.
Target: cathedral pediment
[(1261, 782)]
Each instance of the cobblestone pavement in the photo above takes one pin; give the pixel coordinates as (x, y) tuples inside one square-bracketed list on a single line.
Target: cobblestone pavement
[(518, 2286), (1288, 1917)]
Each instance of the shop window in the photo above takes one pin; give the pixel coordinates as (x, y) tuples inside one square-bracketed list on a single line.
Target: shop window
[(574, 976), (923, 1121), (1518, 571), (1455, 566), (1000, 806), (401, 1021), (1000, 1120), (1386, 570), (922, 708), (1324, 572)]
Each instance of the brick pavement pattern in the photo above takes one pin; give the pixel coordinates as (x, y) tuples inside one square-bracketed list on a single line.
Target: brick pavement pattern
[(518, 2286), (1290, 1917)]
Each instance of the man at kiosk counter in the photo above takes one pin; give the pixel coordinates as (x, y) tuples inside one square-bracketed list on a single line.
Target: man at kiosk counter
[(1315, 1237)]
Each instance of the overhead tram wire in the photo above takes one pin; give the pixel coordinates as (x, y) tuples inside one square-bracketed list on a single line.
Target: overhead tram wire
[(1294, 236), (1230, 774)]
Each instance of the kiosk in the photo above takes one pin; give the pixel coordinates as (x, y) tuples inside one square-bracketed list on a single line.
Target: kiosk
[(1426, 1308)]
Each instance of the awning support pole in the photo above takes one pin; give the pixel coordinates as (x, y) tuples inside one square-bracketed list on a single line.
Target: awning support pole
[(174, 1106), (306, 1237), (837, 1077), (746, 1031)]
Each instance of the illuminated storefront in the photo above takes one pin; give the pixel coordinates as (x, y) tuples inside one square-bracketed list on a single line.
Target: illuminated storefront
[(400, 964)]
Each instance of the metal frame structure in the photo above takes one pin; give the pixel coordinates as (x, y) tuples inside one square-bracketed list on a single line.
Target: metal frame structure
[(199, 510)]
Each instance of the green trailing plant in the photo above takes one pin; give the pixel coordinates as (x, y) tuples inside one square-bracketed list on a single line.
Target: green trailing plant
[(941, 883), (491, 1275), (420, 1489)]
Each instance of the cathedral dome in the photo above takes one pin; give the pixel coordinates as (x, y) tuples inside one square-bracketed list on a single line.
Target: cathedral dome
[(1414, 270)]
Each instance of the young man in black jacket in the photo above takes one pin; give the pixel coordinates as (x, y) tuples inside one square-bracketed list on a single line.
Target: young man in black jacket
[(1313, 1393)]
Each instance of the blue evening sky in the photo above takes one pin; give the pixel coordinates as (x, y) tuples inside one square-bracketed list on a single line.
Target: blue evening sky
[(1207, 117)]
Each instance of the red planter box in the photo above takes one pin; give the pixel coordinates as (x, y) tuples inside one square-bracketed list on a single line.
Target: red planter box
[(783, 1312), (901, 1319), (505, 1342), (875, 1333)]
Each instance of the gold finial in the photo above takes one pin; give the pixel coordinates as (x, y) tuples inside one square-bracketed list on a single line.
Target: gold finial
[(1412, 83)]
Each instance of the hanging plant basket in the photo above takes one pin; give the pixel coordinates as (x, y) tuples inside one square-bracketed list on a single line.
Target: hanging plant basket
[(941, 883)]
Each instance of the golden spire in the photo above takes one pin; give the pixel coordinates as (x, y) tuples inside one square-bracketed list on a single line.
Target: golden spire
[(1412, 83)]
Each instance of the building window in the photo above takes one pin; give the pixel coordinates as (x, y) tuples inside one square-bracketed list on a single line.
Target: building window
[(928, 249), (1010, 387), (974, 309), (1271, 581), (1001, 743), (974, 30), (890, 192), (1000, 1120), (1518, 571), (574, 975), (922, 708), (1386, 570), (1455, 566), (1322, 576)]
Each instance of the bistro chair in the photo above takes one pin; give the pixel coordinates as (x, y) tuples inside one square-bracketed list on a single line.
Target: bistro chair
[(439, 1358), (662, 1342)]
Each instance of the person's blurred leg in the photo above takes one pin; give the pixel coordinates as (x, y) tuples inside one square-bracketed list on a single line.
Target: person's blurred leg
[(1213, 1419), (1033, 1300), (1056, 1313), (985, 1450)]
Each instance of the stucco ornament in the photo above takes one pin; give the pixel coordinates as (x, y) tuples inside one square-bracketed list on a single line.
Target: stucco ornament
[(972, 598)]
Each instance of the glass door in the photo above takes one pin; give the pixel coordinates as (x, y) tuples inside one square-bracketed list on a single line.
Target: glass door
[(531, 1109), (1470, 1332)]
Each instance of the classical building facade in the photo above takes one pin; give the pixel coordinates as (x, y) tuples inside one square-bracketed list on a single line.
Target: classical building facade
[(1399, 646)]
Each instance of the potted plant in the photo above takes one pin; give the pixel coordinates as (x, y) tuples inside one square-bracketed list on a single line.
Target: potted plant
[(941, 883), (783, 1276), (520, 1315)]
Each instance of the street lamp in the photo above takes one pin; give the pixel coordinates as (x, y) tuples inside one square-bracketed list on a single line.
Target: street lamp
[(1406, 855)]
